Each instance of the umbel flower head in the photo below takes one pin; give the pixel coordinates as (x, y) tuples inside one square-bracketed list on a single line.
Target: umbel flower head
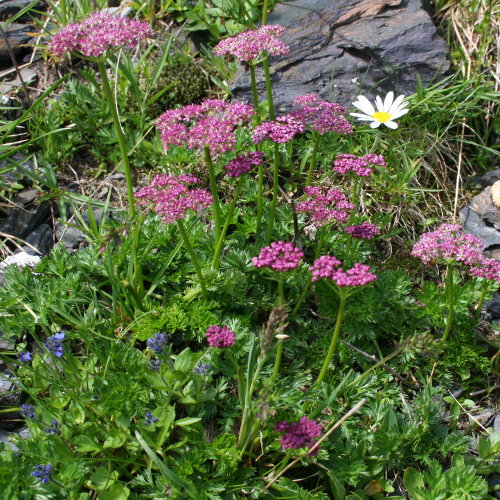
[(298, 434), (172, 198), (220, 336), (328, 267), (282, 130), (387, 110), (487, 268), (360, 165), (321, 116), (325, 205), (447, 244), (251, 44), (365, 230), (279, 256), (211, 123), (243, 164), (97, 34)]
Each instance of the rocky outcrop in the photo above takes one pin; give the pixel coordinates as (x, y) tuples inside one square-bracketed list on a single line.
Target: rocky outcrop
[(343, 47)]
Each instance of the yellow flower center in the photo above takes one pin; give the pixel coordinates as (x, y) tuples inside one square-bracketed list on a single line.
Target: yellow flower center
[(381, 116)]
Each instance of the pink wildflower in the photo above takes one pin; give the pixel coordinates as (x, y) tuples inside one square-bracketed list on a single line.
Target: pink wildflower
[(243, 163), (328, 267), (211, 123), (446, 244), (321, 116), (325, 206), (298, 434), (220, 336), (171, 198), (279, 256), (486, 267), (365, 230), (97, 34), (251, 44), (359, 165), (283, 129)]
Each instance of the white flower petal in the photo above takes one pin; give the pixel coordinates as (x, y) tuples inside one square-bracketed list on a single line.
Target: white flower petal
[(375, 124), (379, 103), (397, 102), (359, 116), (364, 105), (389, 98), (391, 124), (399, 114)]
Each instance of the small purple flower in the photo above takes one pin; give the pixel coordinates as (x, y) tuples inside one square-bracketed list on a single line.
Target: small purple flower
[(298, 434), (150, 418), (486, 267), (361, 166), (97, 34), (243, 164), (24, 356), (448, 243), (158, 342), (28, 411), (201, 368), (251, 44), (172, 198), (220, 336), (54, 429), (279, 256), (365, 230), (328, 267), (43, 472), (54, 344), (282, 130), (325, 205)]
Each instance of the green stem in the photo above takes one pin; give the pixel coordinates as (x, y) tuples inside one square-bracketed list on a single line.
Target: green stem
[(334, 341), (316, 140), (229, 216), (194, 259), (450, 289), (270, 226), (269, 89), (481, 300), (264, 11), (215, 196), (260, 197), (255, 95), (119, 137), (239, 378)]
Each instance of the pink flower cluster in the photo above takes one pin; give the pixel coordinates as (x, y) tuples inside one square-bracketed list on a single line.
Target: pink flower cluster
[(243, 163), (325, 205), (364, 230), (359, 165), (298, 434), (328, 267), (279, 256), (97, 34), (446, 244), (171, 198), (321, 116), (220, 336), (250, 44), (283, 129), (211, 123), (486, 267)]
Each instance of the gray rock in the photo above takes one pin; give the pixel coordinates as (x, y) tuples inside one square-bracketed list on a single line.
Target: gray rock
[(70, 237), (494, 482), (18, 36), (40, 241), (493, 307), (338, 49), (21, 223), (487, 179), (10, 7), (12, 168), (473, 224), (9, 397), (496, 423)]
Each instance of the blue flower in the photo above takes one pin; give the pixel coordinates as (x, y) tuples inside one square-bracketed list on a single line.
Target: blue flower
[(28, 411), (157, 342), (202, 368), (24, 356), (54, 344), (150, 418), (43, 472), (154, 364), (54, 429)]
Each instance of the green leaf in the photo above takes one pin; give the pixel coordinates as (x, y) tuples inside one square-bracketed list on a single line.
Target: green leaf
[(336, 487), (413, 480), (85, 444), (183, 361), (187, 421), (116, 492), (103, 478), (115, 439)]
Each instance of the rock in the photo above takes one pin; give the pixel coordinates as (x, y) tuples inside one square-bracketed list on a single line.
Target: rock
[(485, 418), (488, 178), (484, 205), (4, 438), (338, 49), (473, 224), (12, 167), (10, 7), (493, 307), (18, 36), (20, 223), (494, 483), (21, 259), (10, 397), (6, 344), (70, 237), (496, 423), (40, 241)]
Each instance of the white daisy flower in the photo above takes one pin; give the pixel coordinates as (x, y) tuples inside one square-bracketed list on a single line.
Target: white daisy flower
[(386, 111)]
